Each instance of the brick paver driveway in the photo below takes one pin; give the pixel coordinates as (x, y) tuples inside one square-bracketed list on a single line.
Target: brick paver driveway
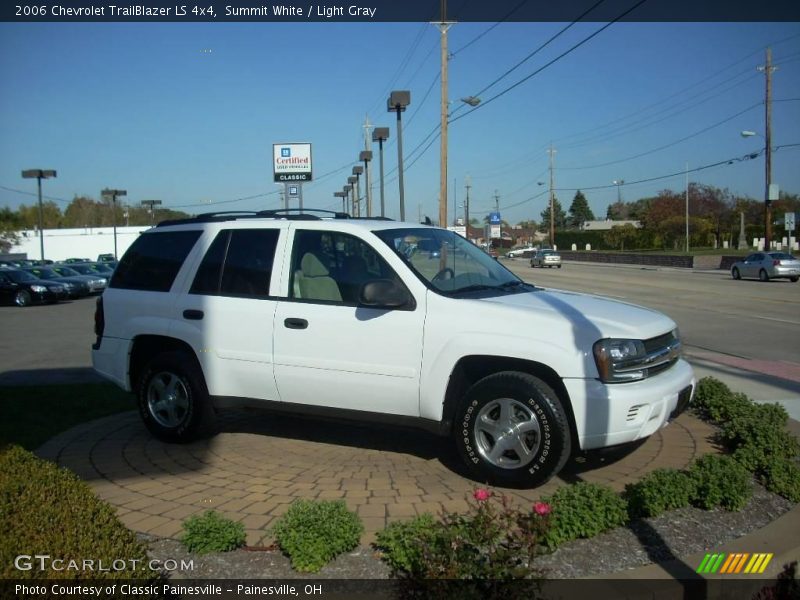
[(258, 464)]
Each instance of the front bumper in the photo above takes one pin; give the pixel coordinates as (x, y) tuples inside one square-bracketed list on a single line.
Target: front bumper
[(611, 414)]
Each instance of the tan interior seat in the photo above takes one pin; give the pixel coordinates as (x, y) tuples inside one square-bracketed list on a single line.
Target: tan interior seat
[(313, 281)]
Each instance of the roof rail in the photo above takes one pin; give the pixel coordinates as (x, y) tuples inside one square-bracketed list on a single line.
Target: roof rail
[(277, 213)]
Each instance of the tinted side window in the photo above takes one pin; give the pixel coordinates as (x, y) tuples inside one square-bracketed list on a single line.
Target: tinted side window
[(248, 263), (208, 276), (238, 263), (153, 261)]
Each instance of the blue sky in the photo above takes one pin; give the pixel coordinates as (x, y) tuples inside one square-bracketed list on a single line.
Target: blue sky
[(188, 112)]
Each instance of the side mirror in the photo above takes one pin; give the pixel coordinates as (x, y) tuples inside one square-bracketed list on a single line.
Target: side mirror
[(383, 293)]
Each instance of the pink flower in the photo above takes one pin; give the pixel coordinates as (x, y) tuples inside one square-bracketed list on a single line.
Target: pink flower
[(481, 494), (541, 508)]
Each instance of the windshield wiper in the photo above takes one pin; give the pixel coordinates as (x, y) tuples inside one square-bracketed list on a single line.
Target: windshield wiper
[(510, 284), (474, 288)]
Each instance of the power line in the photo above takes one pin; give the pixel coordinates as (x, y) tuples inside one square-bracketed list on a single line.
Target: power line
[(556, 59), (665, 146), (480, 35)]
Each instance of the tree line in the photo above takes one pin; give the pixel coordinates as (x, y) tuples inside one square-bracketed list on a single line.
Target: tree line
[(82, 211)]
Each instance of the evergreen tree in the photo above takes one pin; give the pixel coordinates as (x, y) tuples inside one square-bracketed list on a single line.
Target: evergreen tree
[(579, 211), (560, 216)]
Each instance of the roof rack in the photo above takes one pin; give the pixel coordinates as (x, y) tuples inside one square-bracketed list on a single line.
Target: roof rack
[(277, 213)]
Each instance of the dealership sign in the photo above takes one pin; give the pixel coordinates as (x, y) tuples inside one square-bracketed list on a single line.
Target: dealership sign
[(291, 162)]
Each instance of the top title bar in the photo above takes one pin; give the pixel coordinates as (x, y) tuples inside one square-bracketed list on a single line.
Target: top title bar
[(402, 11)]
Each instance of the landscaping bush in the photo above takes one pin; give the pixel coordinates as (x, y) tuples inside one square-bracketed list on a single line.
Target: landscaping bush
[(758, 438), (404, 543), (47, 509), (714, 401), (658, 492), (493, 541), (783, 477), (583, 510), (313, 532), (211, 532), (720, 481)]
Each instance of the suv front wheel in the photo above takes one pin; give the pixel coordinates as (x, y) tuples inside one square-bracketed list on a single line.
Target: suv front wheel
[(511, 429), (173, 399)]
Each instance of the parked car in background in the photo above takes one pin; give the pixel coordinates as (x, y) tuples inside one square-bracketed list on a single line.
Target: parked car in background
[(76, 287), (106, 258), (103, 268), (546, 258), (22, 289), (766, 266), (521, 252), (70, 261), (95, 269), (97, 282)]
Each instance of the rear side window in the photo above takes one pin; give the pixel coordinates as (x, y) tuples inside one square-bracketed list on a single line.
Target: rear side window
[(238, 263), (153, 261)]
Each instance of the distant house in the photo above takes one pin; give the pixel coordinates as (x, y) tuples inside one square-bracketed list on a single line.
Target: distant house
[(607, 224)]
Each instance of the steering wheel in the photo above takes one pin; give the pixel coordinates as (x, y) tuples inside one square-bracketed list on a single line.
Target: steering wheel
[(444, 274)]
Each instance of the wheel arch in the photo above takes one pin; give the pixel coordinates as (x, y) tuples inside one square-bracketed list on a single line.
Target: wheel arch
[(471, 369), (145, 347)]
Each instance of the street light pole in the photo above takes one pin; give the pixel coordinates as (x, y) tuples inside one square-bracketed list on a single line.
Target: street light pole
[(351, 181), (618, 183), (357, 170), (398, 101), (380, 135), (366, 156), (552, 152), (113, 194), (39, 174)]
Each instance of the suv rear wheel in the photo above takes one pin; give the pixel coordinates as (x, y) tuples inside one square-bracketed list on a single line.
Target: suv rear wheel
[(512, 429), (173, 399)]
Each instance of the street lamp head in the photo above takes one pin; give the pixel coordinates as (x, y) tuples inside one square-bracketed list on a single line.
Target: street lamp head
[(38, 174), (540, 183), (346, 189), (366, 155), (398, 100), (471, 100), (352, 180), (618, 182), (358, 170), (380, 134)]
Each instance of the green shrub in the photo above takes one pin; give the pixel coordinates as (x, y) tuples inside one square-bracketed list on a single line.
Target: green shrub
[(404, 543), (583, 510), (211, 532), (759, 438), (493, 541), (47, 509), (720, 481), (658, 492), (313, 532), (714, 401), (783, 477)]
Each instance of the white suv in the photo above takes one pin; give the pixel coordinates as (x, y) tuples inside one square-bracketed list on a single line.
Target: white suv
[(374, 319)]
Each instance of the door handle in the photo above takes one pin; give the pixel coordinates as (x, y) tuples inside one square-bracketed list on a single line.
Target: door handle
[(295, 323), (193, 315)]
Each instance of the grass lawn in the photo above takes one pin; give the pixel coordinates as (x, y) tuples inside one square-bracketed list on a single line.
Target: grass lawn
[(34, 414)]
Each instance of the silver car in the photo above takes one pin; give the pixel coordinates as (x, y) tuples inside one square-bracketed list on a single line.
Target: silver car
[(546, 258), (766, 266)]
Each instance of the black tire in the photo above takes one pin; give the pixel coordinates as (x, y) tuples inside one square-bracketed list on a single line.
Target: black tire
[(735, 273), (762, 275), (559, 266), (524, 396), (794, 279), (194, 420), (22, 298)]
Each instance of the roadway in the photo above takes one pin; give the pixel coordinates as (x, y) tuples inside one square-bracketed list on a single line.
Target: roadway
[(745, 332)]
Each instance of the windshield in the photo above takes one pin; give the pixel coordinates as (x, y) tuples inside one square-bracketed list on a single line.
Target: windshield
[(782, 256), (83, 269), (447, 262), (44, 273), (66, 272), (20, 276)]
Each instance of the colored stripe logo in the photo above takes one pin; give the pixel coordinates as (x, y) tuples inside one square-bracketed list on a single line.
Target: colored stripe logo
[(735, 563)]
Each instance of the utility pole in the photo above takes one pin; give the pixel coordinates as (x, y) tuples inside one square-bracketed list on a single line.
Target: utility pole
[(443, 26), (687, 208), (551, 152), (467, 185), (455, 204), (768, 69)]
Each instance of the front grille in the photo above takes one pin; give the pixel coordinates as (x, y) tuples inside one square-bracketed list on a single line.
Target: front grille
[(668, 341)]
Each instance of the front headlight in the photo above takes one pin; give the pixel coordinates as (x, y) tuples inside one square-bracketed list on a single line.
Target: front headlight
[(620, 360), (39, 289)]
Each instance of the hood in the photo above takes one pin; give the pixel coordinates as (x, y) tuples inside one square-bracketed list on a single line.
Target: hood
[(596, 316)]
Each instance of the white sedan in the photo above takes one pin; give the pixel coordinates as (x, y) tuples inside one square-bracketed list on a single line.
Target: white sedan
[(521, 252)]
